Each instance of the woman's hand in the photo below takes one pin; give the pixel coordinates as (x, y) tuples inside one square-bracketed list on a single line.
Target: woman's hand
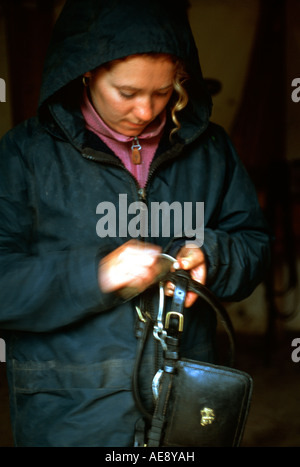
[(189, 258), (134, 266), (130, 269)]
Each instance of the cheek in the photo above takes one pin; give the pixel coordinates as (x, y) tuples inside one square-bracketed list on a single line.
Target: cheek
[(106, 107), (161, 104), (119, 107), (115, 106)]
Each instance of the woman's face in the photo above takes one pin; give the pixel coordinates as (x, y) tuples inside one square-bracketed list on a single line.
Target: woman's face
[(132, 92)]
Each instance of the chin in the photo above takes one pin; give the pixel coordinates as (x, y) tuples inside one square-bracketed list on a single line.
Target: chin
[(131, 132)]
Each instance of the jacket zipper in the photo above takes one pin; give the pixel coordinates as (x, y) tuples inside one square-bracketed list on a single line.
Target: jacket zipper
[(142, 196), (148, 303), (111, 161)]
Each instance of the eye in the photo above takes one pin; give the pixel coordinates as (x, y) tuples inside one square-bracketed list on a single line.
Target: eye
[(163, 93), (127, 95)]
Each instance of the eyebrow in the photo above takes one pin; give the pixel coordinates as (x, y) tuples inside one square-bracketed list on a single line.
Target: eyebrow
[(134, 89)]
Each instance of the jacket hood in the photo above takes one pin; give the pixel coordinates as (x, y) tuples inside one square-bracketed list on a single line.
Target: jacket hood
[(89, 33)]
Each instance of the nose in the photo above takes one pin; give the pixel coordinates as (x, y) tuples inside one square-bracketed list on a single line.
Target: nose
[(144, 110)]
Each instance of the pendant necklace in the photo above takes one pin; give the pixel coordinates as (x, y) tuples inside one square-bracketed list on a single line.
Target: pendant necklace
[(135, 151)]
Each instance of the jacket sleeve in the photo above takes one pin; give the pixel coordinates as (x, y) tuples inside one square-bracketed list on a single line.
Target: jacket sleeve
[(237, 241), (39, 293)]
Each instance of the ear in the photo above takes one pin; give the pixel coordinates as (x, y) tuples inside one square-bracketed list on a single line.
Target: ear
[(88, 74)]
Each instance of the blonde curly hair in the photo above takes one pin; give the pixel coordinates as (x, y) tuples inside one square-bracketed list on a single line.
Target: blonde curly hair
[(180, 77)]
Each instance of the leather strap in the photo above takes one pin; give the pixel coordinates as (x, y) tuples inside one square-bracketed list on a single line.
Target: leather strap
[(207, 296), (171, 356)]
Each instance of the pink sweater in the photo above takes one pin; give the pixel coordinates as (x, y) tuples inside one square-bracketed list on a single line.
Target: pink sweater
[(121, 145)]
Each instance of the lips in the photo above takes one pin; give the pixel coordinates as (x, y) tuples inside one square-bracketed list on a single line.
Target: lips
[(138, 125)]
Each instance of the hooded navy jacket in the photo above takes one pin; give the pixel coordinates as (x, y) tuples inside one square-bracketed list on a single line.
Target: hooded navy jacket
[(71, 348)]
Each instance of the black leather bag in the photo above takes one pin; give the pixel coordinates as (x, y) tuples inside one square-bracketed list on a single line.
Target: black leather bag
[(208, 406), (197, 404)]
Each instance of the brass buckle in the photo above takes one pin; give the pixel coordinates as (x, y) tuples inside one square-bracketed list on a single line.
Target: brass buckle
[(179, 315)]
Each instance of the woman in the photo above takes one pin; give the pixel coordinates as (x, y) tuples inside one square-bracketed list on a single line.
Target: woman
[(125, 97), (123, 124)]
